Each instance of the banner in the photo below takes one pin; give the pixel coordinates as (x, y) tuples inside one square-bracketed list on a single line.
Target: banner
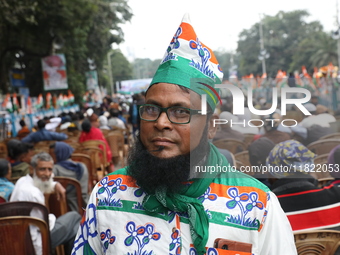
[(17, 77), (91, 80), (54, 72), (134, 86)]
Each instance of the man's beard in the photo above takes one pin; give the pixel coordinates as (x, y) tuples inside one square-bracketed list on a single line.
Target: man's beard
[(43, 186), (152, 173)]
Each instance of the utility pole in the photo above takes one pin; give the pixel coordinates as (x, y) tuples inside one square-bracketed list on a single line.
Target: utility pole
[(263, 52), (336, 36), (110, 71)]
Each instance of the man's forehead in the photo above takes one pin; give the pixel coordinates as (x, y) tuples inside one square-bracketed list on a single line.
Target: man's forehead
[(172, 92), (42, 162)]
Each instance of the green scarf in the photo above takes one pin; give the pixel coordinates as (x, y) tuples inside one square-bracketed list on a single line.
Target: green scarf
[(186, 201)]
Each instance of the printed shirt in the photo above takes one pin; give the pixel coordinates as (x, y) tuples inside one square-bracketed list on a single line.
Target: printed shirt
[(6, 188), (239, 209)]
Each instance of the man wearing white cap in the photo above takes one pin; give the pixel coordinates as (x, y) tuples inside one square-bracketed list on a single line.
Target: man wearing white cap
[(225, 130), (166, 201), (322, 119)]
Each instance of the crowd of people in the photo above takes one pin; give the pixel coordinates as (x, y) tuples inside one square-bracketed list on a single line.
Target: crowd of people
[(167, 200)]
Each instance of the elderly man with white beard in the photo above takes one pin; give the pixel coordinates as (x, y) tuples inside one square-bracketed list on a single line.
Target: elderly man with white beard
[(32, 188)]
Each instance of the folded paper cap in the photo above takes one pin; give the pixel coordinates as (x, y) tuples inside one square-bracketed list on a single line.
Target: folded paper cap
[(189, 63)]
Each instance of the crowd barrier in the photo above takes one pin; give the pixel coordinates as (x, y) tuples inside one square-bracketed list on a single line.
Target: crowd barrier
[(9, 122)]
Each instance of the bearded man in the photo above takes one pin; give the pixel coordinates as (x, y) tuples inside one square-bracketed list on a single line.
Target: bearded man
[(32, 188), (169, 200)]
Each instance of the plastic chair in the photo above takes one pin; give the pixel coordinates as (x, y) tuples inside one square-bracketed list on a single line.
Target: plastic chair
[(60, 207), (73, 142), (16, 238), (243, 157), (117, 146), (25, 208), (323, 146), (330, 136), (65, 182), (99, 144), (321, 159), (248, 139), (233, 145), (317, 242), (96, 156), (86, 159)]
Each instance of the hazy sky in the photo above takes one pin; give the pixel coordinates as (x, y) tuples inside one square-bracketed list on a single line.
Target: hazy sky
[(217, 22)]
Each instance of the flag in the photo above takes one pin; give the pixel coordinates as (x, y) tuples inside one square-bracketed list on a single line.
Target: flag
[(7, 103), (15, 102), (60, 101), (280, 78), (316, 77), (65, 100), (70, 97), (48, 100), (29, 105), (40, 102)]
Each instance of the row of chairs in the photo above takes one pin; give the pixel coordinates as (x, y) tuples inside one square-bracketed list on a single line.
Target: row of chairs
[(321, 148), (15, 220)]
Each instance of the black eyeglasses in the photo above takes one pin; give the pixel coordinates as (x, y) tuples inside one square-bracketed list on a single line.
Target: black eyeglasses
[(176, 114)]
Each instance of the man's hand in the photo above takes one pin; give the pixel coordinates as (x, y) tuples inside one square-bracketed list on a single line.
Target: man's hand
[(60, 191)]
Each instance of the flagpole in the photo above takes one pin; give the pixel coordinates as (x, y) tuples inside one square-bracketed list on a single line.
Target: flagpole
[(263, 52)]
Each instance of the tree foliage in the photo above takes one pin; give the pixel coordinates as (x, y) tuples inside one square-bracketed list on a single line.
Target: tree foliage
[(120, 67), (81, 29), (290, 41)]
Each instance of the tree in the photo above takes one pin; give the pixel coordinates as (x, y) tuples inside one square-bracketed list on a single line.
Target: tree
[(144, 68), (85, 29), (120, 67), (282, 35), (316, 50)]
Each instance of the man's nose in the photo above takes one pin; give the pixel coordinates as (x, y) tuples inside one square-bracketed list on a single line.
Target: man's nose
[(163, 121)]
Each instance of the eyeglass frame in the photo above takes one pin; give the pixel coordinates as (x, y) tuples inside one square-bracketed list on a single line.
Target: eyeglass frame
[(165, 109)]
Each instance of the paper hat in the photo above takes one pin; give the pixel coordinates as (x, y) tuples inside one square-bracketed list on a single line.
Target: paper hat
[(191, 64)]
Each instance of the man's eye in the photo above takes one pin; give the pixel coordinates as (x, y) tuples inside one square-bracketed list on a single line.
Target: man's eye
[(151, 109), (181, 111)]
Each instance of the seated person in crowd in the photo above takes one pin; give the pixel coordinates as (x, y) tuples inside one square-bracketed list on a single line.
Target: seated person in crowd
[(64, 166), (6, 187), (306, 205), (319, 116), (66, 121), (271, 124), (258, 152), (19, 155), (32, 188), (311, 134), (52, 123), (114, 120), (89, 132), (24, 131), (225, 131), (43, 134), (103, 122)]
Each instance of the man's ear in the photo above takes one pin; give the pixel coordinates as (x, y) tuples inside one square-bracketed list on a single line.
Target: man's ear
[(212, 129)]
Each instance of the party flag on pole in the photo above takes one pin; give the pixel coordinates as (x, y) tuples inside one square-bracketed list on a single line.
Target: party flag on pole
[(29, 105), (48, 100)]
